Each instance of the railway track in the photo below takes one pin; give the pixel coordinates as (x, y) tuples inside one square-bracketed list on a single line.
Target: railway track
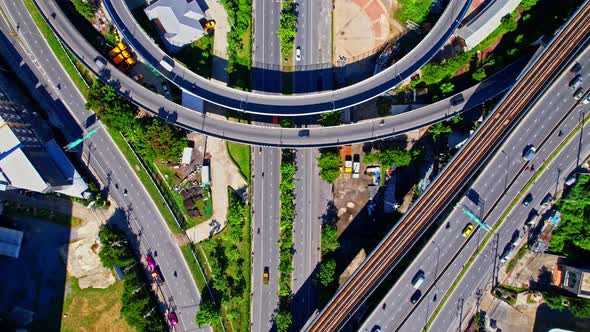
[(425, 211)]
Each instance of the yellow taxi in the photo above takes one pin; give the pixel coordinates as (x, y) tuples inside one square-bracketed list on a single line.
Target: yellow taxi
[(467, 230)]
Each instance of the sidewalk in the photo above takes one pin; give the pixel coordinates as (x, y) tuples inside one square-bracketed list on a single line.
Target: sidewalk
[(224, 174), (222, 27)]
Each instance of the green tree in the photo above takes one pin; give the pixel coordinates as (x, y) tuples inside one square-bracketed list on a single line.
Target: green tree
[(156, 140), (329, 239), (115, 249), (287, 123), (208, 314), (114, 110), (283, 320), (85, 8), (527, 4), (439, 129), (327, 272), (392, 156), (329, 163), (433, 73), (447, 87), (329, 119), (287, 27), (479, 75)]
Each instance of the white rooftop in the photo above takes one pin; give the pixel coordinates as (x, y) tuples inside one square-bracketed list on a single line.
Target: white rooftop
[(187, 156), (15, 167), (179, 19), (486, 21)]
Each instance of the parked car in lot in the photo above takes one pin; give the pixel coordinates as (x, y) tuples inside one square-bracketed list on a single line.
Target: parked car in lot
[(150, 262), (527, 199), (467, 230), (416, 296)]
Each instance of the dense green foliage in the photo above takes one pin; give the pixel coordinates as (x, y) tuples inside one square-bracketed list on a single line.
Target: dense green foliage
[(287, 27), (229, 258), (114, 248), (479, 74), (325, 279), (392, 156), (329, 163), (286, 238), (413, 10), (436, 72), (329, 119), (283, 320), (447, 88), (137, 300), (579, 307), (573, 234), (239, 57), (151, 137), (327, 272), (198, 55), (85, 8), (329, 239)]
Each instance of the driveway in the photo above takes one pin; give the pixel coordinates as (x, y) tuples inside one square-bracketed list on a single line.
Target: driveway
[(223, 174)]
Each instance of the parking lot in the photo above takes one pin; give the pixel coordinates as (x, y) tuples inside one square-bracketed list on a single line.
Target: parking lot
[(36, 280)]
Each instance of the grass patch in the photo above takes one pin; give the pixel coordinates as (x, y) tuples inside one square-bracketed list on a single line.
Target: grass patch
[(93, 309), (239, 77), (197, 56), (20, 210), (497, 225), (145, 179), (240, 156), (65, 57), (516, 258)]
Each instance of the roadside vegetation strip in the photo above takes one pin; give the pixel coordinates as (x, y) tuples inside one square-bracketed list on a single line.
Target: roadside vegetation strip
[(57, 48), (287, 28), (503, 217), (239, 42), (283, 319), (13, 209), (228, 255), (240, 156)]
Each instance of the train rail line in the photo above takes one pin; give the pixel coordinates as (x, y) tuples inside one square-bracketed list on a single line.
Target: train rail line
[(428, 207)]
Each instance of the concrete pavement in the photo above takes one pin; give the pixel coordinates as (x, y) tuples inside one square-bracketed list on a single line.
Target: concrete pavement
[(265, 229), (312, 196), (32, 59), (498, 183)]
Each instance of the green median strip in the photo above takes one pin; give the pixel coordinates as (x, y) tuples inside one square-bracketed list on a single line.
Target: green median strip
[(501, 220)]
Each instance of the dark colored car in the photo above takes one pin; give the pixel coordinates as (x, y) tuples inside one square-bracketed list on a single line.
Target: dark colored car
[(527, 199), (458, 99), (576, 68), (304, 133), (416, 296)]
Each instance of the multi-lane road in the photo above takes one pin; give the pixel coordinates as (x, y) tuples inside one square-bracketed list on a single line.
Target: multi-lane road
[(313, 72), (266, 179), (566, 43), (489, 195), (312, 196), (266, 50), (299, 104), (29, 49)]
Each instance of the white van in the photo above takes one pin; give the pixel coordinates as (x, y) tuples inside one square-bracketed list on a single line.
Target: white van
[(418, 279)]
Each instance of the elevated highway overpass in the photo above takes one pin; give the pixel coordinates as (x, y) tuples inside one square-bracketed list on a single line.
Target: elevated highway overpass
[(189, 119), (287, 105)]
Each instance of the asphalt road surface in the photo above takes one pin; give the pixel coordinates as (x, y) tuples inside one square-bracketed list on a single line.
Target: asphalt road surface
[(266, 55), (266, 179), (299, 104), (101, 154), (270, 136), (312, 196), (490, 195), (314, 38)]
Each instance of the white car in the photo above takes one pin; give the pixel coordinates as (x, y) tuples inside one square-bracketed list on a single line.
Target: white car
[(586, 101), (298, 54)]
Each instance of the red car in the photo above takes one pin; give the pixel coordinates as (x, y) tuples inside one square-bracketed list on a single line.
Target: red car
[(173, 318), (151, 263)]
